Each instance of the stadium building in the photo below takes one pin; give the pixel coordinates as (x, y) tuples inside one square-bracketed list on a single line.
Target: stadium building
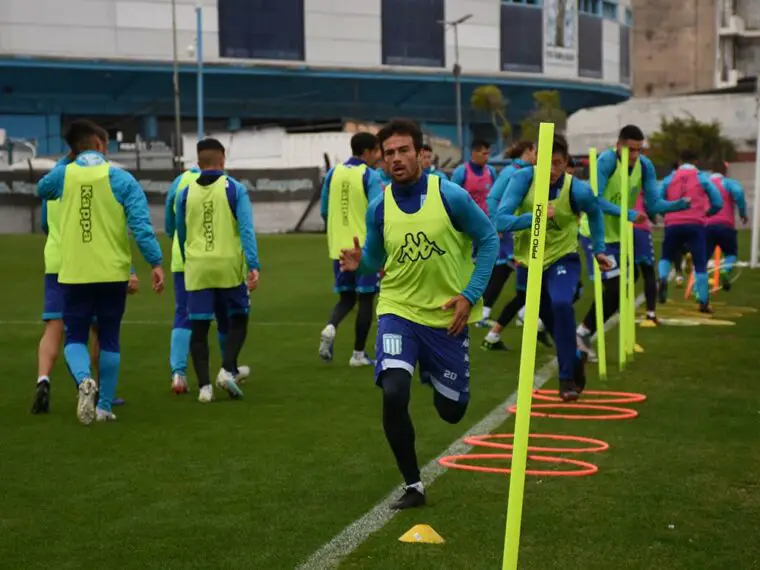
[(298, 62)]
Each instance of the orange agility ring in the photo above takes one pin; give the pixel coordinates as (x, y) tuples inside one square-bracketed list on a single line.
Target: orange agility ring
[(614, 397), (619, 413), (486, 441), (585, 468)]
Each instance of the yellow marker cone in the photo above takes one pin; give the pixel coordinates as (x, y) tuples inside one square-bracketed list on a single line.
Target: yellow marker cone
[(422, 533), (647, 324), (638, 348)]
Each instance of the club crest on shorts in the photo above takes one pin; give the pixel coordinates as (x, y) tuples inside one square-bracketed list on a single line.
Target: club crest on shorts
[(392, 344)]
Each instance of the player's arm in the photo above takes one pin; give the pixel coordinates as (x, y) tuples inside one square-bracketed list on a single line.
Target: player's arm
[(181, 222), (244, 215), (459, 174), (713, 194), (170, 223), (50, 186), (468, 216), (325, 196), (441, 175), (583, 200), (131, 196), (654, 197), (610, 209), (737, 193), (373, 251), (605, 168), (373, 185), (514, 195), (497, 191)]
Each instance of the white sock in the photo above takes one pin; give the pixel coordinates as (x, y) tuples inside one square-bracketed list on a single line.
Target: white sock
[(43, 378), (486, 312), (540, 325), (583, 330), (651, 314), (418, 486), (358, 354), (493, 337), (521, 314)]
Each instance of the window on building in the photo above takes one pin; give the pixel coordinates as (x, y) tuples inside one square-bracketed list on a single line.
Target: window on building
[(412, 34), (261, 29), (593, 7), (609, 10), (523, 2), (628, 17)]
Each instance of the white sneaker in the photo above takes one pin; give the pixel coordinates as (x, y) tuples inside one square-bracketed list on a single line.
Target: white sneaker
[(226, 381), (583, 343), (103, 416), (86, 401), (206, 394), (326, 340), (179, 384), (243, 373), (359, 359)]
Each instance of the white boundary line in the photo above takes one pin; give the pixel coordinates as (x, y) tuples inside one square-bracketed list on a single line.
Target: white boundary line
[(351, 537)]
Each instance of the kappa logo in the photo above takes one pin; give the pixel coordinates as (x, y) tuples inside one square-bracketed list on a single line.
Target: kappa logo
[(418, 247), (392, 344)]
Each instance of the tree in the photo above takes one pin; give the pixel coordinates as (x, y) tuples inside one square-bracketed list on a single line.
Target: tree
[(687, 133), (547, 109), (489, 99)]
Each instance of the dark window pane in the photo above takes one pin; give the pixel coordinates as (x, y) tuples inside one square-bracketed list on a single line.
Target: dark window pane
[(625, 55), (411, 33), (522, 38), (589, 46), (261, 29)]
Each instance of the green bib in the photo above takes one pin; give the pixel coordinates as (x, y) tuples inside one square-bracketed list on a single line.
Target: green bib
[(561, 230), (428, 261), (612, 193), (346, 208), (178, 265), (213, 253), (53, 241), (93, 228)]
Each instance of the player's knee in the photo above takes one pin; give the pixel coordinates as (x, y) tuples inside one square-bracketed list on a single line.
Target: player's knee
[(348, 298), (396, 385), (448, 410)]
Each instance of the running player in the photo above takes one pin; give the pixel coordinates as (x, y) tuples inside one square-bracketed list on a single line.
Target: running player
[(426, 159), (422, 229), (476, 176), (568, 197), (688, 226), (347, 191), (643, 254)]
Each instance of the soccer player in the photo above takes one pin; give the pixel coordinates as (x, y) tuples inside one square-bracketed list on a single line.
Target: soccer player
[(346, 192), (426, 159), (385, 177), (476, 176), (522, 153), (688, 226), (643, 254), (721, 228), (217, 241), (422, 229), (99, 203), (181, 330), (568, 197), (642, 177)]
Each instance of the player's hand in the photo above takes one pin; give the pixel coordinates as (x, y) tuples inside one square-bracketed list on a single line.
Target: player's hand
[(133, 285), (252, 280), (745, 220), (351, 258), (605, 263), (641, 217), (157, 279), (550, 211), (462, 308)]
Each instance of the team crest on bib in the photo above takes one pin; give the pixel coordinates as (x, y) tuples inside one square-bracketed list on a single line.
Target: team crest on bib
[(392, 344), (418, 247)]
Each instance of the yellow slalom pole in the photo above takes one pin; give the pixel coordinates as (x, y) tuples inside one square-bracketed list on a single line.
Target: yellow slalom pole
[(598, 301), (631, 337), (536, 235), (623, 261)]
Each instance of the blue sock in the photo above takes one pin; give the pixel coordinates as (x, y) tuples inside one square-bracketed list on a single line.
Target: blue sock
[(78, 360), (728, 264), (663, 268), (702, 287), (180, 347), (222, 337), (108, 379)]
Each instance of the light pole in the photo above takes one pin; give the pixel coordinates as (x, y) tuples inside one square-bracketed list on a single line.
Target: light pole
[(197, 48), (177, 117), (457, 71), (755, 250)]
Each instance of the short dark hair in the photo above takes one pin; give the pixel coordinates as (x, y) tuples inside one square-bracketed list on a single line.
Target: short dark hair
[(571, 162), (559, 146), (720, 167), (427, 147), (209, 144), (688, 155), (519, 148), (401, 127), (477, 144), (82, 130), (631, 133), (362, 142)]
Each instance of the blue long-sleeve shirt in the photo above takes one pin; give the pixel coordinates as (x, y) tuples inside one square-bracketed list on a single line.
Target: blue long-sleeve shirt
[(654, 202), (170, 218), (582, 199), (385, 178), (127, 192), (433, 170), (240, 204), (466, 217), (713, 194), (735, 190), (500, 185), (459, 176), (373, 185)]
